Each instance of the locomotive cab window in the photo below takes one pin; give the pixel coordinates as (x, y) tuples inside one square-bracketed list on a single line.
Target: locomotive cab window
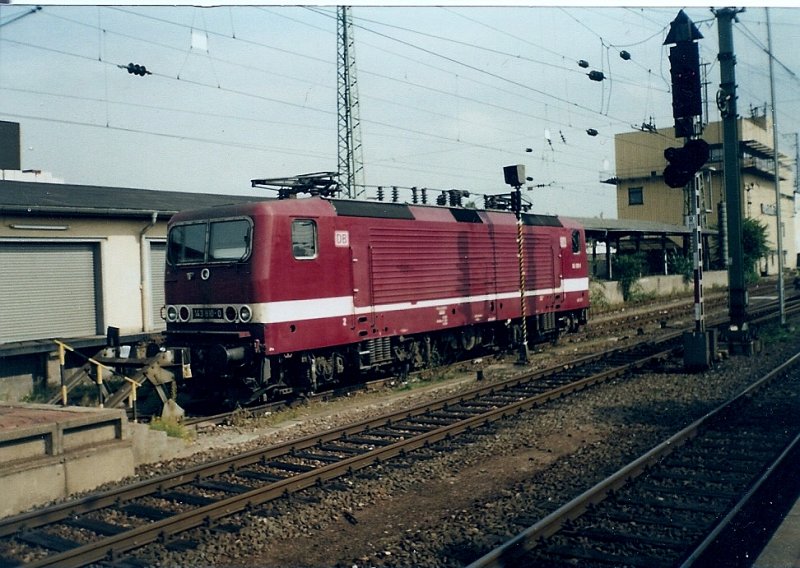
[(576, 242), (304, 238), (229, 240), (225, 240), (187, 244)]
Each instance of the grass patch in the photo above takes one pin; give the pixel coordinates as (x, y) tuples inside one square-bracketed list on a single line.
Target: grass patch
[(637, 295), (173, 428), (776, 333)]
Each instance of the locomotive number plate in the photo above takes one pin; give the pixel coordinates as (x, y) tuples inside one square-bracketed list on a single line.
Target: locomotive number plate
[(206, 313)]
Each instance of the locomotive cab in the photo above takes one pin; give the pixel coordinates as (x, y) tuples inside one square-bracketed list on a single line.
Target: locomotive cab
[(246, 287), (209, 305)]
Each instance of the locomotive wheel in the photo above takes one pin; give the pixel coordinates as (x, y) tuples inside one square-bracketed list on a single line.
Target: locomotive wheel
[(448, 349), (469, 339)]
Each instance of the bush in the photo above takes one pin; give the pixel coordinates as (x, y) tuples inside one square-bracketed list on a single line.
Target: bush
[(682, 265), (597, 295), (754, 247), (637, 294), (627, 271)]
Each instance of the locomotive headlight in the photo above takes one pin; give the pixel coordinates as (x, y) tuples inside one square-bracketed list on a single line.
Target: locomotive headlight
[(230, 313), (172, 314), (183, 313), (245, 313)]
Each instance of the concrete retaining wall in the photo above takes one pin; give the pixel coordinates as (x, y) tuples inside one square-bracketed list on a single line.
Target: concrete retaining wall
[(48, 452), (662, 285)]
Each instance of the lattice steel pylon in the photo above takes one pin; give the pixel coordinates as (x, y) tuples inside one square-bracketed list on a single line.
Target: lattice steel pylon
[(351, 158)]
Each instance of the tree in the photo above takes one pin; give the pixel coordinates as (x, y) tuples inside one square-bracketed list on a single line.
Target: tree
[(754, 247)]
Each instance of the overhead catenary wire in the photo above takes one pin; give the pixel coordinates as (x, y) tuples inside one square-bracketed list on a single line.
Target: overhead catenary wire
[(251, 67), (261, 44), (162, 20), (492, 74), (584, 114), (195, 82)]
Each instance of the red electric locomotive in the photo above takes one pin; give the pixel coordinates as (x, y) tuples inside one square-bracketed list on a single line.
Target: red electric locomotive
[(286, 295)]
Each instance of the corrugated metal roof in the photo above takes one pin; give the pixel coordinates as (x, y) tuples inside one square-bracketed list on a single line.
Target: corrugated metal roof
[(595, 223), (68, 199), (624, 227)]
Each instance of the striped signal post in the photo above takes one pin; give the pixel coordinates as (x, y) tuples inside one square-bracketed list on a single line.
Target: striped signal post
[(697, 242), (523, 347), (515, 177)]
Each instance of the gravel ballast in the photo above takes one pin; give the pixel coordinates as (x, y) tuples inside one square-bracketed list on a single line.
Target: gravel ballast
[(449, 504)]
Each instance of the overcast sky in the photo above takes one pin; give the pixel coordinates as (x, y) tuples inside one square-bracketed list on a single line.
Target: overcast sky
[(448, 95)]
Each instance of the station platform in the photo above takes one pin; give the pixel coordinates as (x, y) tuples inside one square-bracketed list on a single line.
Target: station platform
[(783, 549), (48, 452)]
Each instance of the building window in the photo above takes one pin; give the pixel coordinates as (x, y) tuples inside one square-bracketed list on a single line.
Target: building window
[(635, 196)]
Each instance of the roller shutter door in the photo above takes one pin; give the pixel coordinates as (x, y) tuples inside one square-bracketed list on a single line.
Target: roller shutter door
[(48, 291), (158, 259)]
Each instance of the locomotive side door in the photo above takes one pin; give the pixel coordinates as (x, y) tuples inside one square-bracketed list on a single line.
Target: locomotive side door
[(558, 271), (363, 316)]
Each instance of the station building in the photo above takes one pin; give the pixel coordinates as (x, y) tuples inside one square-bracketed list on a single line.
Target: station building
[(642, 194), (75, 260)]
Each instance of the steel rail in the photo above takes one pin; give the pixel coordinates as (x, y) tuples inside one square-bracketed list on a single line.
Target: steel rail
[(527, 540), (728, 519), (93, 502), (111, 546), (206, 514)]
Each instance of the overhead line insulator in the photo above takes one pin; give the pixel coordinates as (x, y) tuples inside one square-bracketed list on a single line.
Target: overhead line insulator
[(135, 69)]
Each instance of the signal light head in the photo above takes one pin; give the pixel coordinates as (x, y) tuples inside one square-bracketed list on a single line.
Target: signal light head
[(687, 97), (685, 162)]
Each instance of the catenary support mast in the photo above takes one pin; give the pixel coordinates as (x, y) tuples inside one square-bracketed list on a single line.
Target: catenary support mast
[(738, 334), (351, 160), (777, 171)]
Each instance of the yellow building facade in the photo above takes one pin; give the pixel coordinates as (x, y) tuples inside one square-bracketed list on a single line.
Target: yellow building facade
[(643, 195)]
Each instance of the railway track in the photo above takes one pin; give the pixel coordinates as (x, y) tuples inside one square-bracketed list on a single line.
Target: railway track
[(106, 525), (674, 505)]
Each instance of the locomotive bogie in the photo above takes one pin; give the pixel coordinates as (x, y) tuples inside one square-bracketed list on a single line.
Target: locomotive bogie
[(299, 293)]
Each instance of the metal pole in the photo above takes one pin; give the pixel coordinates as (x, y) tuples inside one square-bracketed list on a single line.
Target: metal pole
[(523, 348), (726, 101), (776, 165), (61, 364), (796, 163)]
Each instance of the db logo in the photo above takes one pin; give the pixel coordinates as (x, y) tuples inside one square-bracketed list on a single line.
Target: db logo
[(341, 238)]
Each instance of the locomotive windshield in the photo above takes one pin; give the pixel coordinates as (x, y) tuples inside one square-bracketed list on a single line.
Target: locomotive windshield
[(226, 240)]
